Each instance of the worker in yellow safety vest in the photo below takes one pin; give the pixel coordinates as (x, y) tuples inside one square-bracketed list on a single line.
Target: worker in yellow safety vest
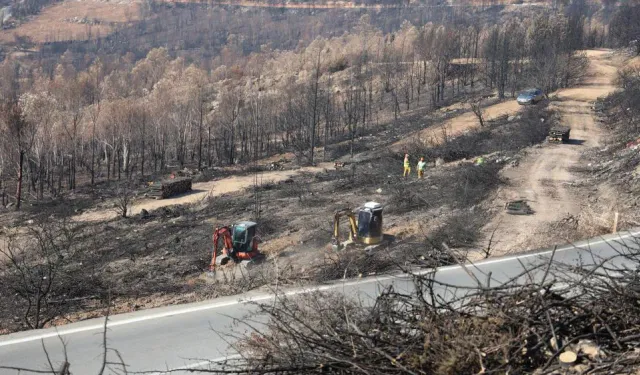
[(407, 166), (421, 165)]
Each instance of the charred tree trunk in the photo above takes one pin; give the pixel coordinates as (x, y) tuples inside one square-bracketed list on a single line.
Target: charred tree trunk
[(144, 130), (93, 154), (19, 187), (200, 135)]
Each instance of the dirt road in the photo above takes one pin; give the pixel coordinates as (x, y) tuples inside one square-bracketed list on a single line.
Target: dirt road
[(202, 191), (543, 178)]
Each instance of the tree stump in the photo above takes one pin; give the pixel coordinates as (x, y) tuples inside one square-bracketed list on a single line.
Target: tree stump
[(568, 359)]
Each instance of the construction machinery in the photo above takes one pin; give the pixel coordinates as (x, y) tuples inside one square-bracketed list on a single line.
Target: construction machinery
[(365, 230), (519, 207), (559, 134), (237, 243)]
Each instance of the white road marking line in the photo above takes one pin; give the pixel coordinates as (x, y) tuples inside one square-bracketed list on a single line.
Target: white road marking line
[(296, 292)]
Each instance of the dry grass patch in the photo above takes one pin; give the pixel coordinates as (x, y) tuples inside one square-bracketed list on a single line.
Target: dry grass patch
[(61, 22)]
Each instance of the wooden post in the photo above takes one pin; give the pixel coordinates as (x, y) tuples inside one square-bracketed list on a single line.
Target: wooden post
[(615, 223)]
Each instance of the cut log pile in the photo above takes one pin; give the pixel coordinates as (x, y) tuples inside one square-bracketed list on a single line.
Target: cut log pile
[(168, 188)]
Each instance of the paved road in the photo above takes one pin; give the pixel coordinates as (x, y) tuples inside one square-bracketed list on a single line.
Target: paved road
[(184, 336)]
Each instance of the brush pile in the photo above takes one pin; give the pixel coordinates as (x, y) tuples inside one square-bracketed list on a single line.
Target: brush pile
[(571, 320)]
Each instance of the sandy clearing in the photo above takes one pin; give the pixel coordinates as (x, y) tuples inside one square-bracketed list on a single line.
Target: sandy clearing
[(52, 23), (3, 246), (543, 177), (203, 191), (457, 125), (634, 63)]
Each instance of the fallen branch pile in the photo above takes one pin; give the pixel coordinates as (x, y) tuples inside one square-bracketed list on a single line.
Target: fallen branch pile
[(590, 319)]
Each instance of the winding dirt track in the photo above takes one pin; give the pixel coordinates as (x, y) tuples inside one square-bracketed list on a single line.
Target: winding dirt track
[(456, 125), (542, 179), (202, 191)]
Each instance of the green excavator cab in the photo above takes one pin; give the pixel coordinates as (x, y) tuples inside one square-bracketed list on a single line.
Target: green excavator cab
[(243, 235)]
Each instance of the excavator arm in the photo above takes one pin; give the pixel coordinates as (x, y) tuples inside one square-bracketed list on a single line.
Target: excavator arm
[(225, 234), (353, 225)]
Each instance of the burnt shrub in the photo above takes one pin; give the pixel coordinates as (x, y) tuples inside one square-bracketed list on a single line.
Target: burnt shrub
[(459, 231), (462, 186)]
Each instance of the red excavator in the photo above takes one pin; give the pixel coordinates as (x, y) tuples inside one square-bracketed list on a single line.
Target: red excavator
[(240, 244)]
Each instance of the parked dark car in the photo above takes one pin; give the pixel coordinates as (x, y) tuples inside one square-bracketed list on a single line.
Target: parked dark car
[(531, 96)]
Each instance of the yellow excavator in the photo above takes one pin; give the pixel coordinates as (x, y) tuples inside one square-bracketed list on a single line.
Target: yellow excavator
[(365, 230)]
